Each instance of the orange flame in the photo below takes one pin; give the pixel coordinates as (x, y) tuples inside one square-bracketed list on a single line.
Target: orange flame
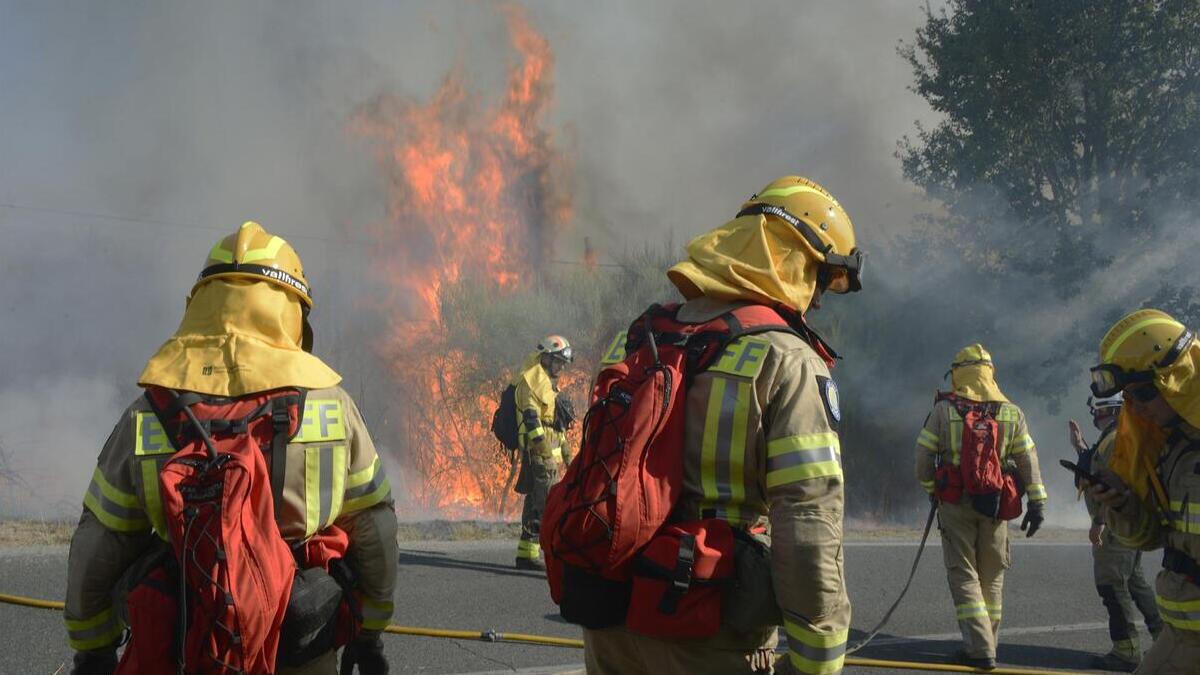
[(470, 190)]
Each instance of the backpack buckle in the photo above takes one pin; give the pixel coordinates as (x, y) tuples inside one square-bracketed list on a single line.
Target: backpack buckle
[(681, 580)]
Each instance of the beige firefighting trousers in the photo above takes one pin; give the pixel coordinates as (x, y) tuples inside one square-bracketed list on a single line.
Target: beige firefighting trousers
[(976, 551), (1175, 652), (619, 651), (1125, 593)]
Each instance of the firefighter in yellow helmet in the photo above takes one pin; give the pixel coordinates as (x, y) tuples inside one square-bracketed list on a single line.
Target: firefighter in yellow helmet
[(767, 451), (1116, 568), (974, 538), (244, 330), (1151, 487), (542, 421)]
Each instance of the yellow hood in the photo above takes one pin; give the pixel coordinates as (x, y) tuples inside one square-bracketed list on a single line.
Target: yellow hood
[(752, 258), (538, 380), (238, 337), (974, 375), (1140, 441)]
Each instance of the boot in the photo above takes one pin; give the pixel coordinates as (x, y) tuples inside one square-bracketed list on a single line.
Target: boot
[(1114, 662), (534, 564), (980, 662)]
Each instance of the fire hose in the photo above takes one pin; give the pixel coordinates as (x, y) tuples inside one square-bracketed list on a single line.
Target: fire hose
[(546, 640)]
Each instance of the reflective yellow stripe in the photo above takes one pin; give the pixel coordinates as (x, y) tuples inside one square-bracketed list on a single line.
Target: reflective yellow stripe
[(994, 612), (928, 485), (312, 491), (376, 613), (616, 350), (94, 632), (791, 190), (737, 446), (803, 457), (1020, 445), (220, 253), (324, 420), (956, 431), (117, 510), (708, 446), (337, 486), (154, 508), (927, 439), (815, 653), (264, 253), (121, 498), (528, 549), (1187, 522), (1184, 614), (971, 610), (366, 488), (1112, 349), (149, 437), (1036, 492)]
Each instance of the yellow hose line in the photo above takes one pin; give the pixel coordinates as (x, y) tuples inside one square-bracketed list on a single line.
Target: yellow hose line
[(30, 602), (526, 638)]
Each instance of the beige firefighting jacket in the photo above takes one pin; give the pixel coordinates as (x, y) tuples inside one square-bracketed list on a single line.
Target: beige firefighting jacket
[(535, 397), (334, 477), (941, 442), (761, 444), (1142, 525), (1103, 452)]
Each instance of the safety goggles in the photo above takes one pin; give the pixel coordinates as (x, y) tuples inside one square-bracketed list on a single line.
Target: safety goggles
[(1110, 379), (844, 273), (565, 355)]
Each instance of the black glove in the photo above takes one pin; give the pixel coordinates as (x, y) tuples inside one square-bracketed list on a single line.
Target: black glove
[(564, 413), (366, 652), (1033, 518), (95, 662)]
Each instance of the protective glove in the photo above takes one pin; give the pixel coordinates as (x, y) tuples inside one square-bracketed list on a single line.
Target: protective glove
[(1033, 519), (366, 652), (95, 662)]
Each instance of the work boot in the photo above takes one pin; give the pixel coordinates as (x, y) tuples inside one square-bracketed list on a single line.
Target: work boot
[(534, 564), (980, 662), (1115, 662)]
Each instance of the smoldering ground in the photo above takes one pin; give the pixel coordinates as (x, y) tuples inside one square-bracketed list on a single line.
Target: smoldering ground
[(135, 135)]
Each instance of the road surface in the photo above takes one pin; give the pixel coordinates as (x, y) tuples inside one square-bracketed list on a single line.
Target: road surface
[(1052, 616)]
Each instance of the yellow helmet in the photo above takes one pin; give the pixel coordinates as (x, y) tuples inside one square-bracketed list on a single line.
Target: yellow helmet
[(255, 254), (1135, 346), (973, 355), (822, 224)]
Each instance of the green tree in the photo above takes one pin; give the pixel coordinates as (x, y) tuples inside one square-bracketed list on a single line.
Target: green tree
[(1069, 127)]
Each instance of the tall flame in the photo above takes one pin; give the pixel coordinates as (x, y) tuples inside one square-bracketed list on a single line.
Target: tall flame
[(470, 189)]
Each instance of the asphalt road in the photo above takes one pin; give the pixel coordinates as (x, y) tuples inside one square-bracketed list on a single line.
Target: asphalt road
[(1052, 616)]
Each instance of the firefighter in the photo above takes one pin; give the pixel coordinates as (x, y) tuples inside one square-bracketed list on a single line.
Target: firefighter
[(1117, 568), (761, 441), (975, 544), (542, 421), (1150, 490), (245, 329)]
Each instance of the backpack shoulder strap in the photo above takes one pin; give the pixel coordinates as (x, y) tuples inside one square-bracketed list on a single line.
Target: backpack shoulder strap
[(281, 426)]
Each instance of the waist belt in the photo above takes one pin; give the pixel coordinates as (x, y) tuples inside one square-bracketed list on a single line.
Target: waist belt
[(1181, 563)]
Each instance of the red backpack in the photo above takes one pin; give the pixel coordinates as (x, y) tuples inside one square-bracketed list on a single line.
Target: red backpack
[(979, 475), (217, 604), (603, 527)]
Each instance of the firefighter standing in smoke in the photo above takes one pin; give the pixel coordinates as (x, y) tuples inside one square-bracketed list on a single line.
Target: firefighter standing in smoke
[(767, 450), (542, 419), (974, 544), (1151, 489), (1117, 568), (245, 330)]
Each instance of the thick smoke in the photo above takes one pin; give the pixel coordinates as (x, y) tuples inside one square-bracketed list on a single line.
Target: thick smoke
[(184, 120)]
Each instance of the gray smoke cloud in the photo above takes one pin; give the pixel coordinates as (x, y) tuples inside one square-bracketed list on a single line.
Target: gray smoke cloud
[(182, 120)]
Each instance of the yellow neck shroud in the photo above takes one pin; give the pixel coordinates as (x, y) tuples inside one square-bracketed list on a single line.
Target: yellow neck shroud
[(238, 337), (752, 258)]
